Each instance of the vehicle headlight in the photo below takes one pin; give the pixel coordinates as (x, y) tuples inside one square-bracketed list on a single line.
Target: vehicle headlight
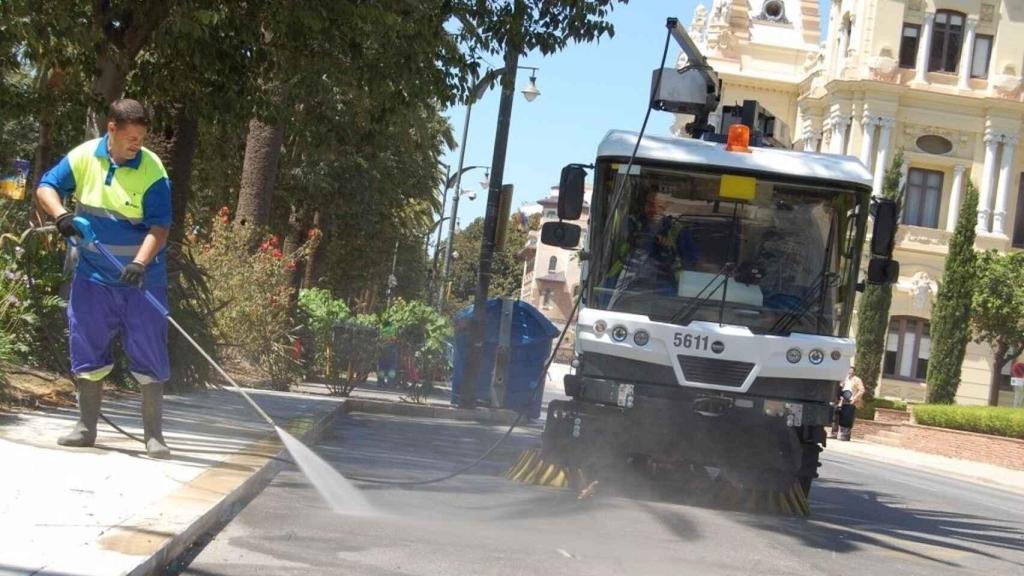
[(793, 355), (816, 356), (641, 338), (600, 326), (619, 333), (836, 355)]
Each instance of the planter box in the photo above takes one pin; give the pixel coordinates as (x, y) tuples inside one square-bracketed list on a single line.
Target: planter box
[(891, 416), (995, 450)]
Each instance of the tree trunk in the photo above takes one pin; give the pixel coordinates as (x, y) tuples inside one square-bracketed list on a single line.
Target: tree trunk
[(310, 271), (174, 137), (998, 363), (259, 172), (107, 86), (186, 140)]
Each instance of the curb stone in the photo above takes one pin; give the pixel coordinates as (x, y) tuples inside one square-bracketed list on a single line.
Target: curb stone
[(231, 483)]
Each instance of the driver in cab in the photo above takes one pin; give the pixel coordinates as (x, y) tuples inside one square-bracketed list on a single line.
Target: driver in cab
[(651, 255)]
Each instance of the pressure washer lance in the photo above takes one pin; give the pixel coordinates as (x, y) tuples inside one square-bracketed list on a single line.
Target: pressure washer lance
[(339, 493)]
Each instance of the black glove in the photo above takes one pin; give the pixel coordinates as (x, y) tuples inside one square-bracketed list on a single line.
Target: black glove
[(133, 274), (66, 226)]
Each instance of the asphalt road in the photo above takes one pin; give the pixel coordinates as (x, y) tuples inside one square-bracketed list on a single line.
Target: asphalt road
[(867, 518)]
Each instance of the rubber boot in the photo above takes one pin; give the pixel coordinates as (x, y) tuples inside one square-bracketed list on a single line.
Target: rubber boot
[(152, 414), (90, 396)]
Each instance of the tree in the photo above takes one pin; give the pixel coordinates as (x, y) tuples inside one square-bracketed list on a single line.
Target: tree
[(950, 326), (873, 309), (997, 312), (506, 268)]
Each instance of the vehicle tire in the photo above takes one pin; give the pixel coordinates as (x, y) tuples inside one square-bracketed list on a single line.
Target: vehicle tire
[(809, 463)]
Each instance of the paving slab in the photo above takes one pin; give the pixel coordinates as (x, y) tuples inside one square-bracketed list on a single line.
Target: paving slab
[(113, 510)]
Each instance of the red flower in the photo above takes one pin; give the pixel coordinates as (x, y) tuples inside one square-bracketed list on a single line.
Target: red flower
[(275, 241), (314, 232), (265, 246), (277, 254), (290, 266)]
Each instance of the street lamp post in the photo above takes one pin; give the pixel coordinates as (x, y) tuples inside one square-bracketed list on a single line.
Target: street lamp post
[(453, 225), (440, 229), (467, 390)]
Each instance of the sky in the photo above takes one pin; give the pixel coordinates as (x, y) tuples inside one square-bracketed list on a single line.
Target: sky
[(586, 90)]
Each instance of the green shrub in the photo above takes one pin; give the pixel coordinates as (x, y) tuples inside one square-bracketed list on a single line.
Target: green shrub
[(319, 311), (424, 333), (867, 412), (994, 420), (31, 312), (352, 354)]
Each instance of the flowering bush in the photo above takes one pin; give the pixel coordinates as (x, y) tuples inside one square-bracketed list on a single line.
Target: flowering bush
[(252, 291)]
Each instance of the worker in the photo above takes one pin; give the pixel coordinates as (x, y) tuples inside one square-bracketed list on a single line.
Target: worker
[(122, 189), (648, 258), (851, 397)]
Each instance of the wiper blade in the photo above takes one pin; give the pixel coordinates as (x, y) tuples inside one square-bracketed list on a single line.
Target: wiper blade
[(786, 322), (821, 281), (683, 315)]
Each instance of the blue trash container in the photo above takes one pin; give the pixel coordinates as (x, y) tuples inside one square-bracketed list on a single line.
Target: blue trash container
[(532, 336)]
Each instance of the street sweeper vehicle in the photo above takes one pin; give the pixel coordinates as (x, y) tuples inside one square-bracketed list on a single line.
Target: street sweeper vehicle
[(719, 276)]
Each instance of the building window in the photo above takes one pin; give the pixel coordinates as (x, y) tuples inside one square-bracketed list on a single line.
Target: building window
[(553, 264), (924, 193), (1018, 222), (947, 39), (529, 265), (982, 56), (546, 301), (908, 45), (907, 348)]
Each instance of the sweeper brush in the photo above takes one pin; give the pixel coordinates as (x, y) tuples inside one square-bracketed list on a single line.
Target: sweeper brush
[(531, 468)]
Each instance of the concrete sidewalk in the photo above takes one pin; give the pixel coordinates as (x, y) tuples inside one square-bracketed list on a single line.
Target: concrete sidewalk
[(111, 509), (1004, 478)]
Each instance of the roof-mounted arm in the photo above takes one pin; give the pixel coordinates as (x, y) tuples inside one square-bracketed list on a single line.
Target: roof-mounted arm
[(693, 89)]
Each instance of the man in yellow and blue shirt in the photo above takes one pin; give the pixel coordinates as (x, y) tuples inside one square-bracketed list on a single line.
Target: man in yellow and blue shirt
[(122, 189)]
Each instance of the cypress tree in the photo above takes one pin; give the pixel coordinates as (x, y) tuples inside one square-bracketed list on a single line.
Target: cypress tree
[(950, 327), (873, 309)]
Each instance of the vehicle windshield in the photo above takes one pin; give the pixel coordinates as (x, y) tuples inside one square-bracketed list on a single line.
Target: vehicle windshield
[(681, 246)]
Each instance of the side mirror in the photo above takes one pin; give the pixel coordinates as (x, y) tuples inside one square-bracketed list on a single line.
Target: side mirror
[(560, 234), (883, 235), (883, 271), (570, 192)]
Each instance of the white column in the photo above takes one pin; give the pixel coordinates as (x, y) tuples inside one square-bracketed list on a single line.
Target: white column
[(816, 141), (837, 145), (1003, 191), (987, 181), (955, 194), (867, 143), (923, 48), (882, 157), (967, 54)]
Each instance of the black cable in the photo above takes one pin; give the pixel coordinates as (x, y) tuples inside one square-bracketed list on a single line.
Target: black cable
[(617, 195)]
